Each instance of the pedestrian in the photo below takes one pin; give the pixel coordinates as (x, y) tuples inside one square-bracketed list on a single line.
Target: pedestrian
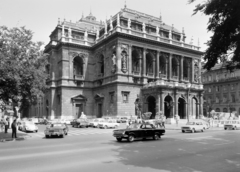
[(6, 125), (2, 123), (14, 128), (163, 121)]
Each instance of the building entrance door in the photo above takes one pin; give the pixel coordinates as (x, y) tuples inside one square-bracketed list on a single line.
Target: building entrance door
[(152, 106), (181, 108), (99, 114), (78, 110)]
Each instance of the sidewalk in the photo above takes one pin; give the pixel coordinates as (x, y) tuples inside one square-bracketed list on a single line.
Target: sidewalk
[(178, 127), (8, 136)]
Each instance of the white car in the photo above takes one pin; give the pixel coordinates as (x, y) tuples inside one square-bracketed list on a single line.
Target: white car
[(65, 121), (28, 126), (193, 126), (232, 125), (109, 124), (94, 123)]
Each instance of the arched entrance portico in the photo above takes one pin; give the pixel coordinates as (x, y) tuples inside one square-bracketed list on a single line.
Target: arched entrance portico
[(194, 109), (168, 107), (152, 106), (182, 108)]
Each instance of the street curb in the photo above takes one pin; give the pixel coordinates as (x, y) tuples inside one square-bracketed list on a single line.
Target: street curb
[(11, 139)]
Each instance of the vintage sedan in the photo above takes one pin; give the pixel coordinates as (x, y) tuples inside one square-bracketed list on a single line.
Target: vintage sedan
[(232, 125), (28, 126), (81, 123), (94, 123), (193, 126), (56, 129), (138, 131), (111, 123)]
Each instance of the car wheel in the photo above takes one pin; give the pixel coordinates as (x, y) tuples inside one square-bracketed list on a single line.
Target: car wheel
[(225, 128), (36, 131), (183, 131), (193, 130), (131, 138), (202, 130), (156, 137), (62, 135), (119, 139)]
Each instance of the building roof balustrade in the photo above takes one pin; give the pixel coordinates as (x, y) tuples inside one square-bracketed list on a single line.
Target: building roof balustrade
[(124, 29)]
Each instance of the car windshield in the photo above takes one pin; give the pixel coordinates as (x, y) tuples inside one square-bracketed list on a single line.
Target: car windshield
[(191, 123), (134, 126), (28, 122), (56, 125)]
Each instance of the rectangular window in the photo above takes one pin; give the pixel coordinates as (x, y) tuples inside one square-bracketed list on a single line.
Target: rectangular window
[(233, 98), (111, 94), (125, 95)]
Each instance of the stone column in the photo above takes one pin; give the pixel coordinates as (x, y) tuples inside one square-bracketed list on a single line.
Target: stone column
[(70, 34), (157, 66), (170, 67), (162, 102), (201, 104), (144, 61), (118, 58), (141, 64), (154, 67), (199, 71), (130, 59), (192, 70), (176, 103), (181, 68)]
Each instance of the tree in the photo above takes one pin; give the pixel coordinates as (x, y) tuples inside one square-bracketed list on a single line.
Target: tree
[(22, 67), (224, 22)]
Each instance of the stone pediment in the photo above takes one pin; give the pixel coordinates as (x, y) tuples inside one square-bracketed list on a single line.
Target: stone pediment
[(79, 98), (98, 96)]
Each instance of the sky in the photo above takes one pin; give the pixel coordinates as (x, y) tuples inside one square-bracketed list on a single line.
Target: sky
[(41, 16)]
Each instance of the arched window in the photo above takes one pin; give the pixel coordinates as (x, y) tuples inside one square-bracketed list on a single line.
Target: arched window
[(217, 110), (225, 110), (101, 65), (186, 70), (78, 66), (149, 64), (163, 65), (135, 62), (174, 67)]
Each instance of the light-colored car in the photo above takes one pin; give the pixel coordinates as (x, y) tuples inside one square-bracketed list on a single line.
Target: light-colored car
[(232, 125), (28, 126), (193, 126), (65, 121), (109, 124), (56, 129), (94, 123)]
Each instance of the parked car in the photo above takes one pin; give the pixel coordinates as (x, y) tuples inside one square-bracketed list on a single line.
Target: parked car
[(232, 125), (34, 120), (139, 131), (94, 123), (28, 126), (65, 121), (193, 126), (111, 123), (73, 122), (81, 123), (56, 129), (122, 119)]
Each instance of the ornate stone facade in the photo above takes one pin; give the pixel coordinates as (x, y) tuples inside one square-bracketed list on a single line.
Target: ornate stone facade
[(129, 64)]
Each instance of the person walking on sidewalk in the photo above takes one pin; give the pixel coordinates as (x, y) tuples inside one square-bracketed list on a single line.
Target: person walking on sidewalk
[(2, 123), (6, 125), (14, 129), (163, 121)]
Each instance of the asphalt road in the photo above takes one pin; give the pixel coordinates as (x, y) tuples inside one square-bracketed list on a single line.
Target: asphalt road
[(210, 151)]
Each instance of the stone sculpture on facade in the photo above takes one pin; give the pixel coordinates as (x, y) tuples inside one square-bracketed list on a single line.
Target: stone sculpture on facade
[(114, 63), (124, 62)]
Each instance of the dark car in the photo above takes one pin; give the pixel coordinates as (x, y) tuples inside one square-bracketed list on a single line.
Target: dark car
[(139, 131), (56, 129), (73, 122), (81, 123)]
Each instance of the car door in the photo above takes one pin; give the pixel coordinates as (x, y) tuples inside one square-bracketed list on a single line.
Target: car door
[(149, 130)]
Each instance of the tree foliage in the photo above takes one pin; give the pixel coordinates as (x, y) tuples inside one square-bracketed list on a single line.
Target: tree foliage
[(22, 66), (224, 22)]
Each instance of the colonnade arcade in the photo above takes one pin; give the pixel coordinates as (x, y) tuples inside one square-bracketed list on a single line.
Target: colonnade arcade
[(172, 104), (157, 64)]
